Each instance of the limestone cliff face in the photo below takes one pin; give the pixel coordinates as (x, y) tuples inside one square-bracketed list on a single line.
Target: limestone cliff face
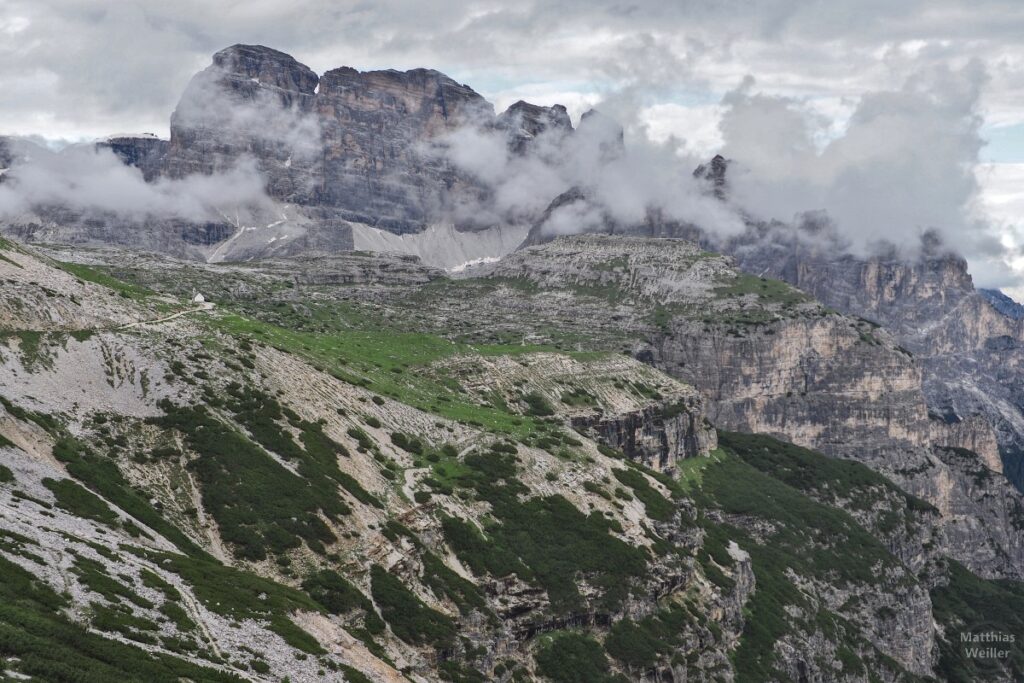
[(658, 435), (972, 434), (770, 361), (971, 497), (530, 125), (377, 127), (366, 147), (144, 152), (822, 383), (971, 354), (254, 104)]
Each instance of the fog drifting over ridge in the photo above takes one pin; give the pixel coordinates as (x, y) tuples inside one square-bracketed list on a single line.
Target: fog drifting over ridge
[(904, 164), (829, 83), (94, 181)]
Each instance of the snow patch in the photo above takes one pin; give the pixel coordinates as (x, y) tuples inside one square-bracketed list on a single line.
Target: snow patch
[(473, 262), (441, 245)]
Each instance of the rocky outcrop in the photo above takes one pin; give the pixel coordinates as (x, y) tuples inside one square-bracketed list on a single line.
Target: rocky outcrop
[(529, 125), (1003, 303), (575, 211), (357, 268), (970, 496), (973, 434), (252, 103), (970, 352), (174, 237), (377, 128), (145, 152), (818, 381), (658, 435), (350, 146), (713, 173)]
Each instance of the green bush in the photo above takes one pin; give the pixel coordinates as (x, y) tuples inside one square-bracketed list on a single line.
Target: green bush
[(340, 597), (93, 576), (573, 658), (354, 675), (657, 506), (969, 604), (80, 502), (258, 504), (631, 645), (538, 405), (49, 647), (102, 476), (409, 618), (808, 538), (446, 583), (550, 541)]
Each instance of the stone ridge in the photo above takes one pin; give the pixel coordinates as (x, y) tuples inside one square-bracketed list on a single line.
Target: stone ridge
[(350, 147), (1003, 303), (360, 146), (376, 129), (145, 153), (527, 123), (270, 67)]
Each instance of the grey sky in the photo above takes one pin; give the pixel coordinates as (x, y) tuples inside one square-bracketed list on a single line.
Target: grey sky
[(78, 67)]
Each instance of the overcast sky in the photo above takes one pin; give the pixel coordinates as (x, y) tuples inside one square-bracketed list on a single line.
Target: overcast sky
[(76, 69)]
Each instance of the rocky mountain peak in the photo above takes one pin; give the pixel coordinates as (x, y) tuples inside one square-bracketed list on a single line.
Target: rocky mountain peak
[(266, 66), (377, 128), (1003, 303), (525, 122), (145, 152), (714, 173), (427, 94)]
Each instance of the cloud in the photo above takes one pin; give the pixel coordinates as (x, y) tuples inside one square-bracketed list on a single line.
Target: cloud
[(63, 65), (1002, 203), (622, 182), (904, 164), (95, 182), (245, 111)]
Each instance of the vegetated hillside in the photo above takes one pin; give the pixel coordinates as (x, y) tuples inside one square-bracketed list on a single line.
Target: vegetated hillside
[(334, 475)]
